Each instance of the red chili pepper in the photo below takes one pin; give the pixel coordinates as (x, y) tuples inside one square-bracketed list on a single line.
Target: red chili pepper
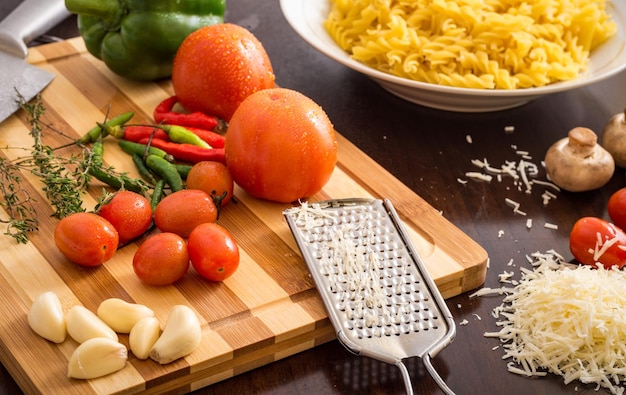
[(188, 152), (164, 113), (136, 133), (215, 140)]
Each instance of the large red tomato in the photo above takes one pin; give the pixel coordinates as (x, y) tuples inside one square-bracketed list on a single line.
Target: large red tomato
[(280, 145), (218, 66)]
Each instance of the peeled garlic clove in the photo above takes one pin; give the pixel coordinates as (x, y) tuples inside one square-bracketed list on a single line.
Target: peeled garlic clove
[(181, 335), (82, 325), (46, 317), (143, 336), (121, 315), (97, 357)]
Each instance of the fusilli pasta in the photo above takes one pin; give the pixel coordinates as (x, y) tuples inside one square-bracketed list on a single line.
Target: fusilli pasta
[(485, 44)]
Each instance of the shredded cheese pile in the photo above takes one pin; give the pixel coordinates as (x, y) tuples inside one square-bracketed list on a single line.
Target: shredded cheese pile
[(567, 320)]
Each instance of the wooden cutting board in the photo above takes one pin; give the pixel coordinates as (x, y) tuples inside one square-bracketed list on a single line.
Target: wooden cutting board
[(267, 311)]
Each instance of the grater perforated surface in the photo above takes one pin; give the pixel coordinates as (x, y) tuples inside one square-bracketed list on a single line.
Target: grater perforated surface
[(378, 294)]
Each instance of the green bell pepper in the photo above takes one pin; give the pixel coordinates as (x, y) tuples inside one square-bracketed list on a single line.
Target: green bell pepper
[(138, 39)]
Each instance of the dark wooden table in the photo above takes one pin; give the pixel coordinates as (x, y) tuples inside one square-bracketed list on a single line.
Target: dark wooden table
[(428, 150)]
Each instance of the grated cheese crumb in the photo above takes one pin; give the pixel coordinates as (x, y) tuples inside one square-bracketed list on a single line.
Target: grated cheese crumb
[(548, 225), (512, 203), (529, 223), (479, 163), (547, 196), (515, 205), (509, 129), (310, 215), (468, 138), (505, 277), (464, 322), (547, 184), (479, 176), (602, 246)]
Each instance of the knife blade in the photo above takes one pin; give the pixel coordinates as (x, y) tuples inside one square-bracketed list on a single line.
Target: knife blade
[(28, 21)]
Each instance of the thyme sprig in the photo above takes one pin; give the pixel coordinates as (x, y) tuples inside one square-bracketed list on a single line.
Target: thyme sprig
[(61, 178), (65, 178), (18, 202)]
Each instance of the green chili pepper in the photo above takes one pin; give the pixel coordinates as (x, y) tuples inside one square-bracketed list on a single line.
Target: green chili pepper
[(157, 194), (143, 170), (98, 131), (138, 39), (143, 150), (179, 134), (183, 170), (118, 182), (166, 170), (97, 153)]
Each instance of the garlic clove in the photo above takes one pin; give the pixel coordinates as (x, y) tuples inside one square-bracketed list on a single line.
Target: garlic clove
[(182, 334), (143, 336), (82, 324), (97, 357), (46, 317), (121, 315)]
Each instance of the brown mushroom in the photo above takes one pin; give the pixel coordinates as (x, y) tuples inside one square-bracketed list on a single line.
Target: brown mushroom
[(577, 163), (614, 138)]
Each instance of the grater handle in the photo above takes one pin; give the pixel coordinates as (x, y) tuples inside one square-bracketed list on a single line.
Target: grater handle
[(433, 373), (405, 376)]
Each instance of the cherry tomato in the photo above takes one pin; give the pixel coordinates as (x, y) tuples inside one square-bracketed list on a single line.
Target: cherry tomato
[(86, 238), (129, 212), (595, 240), (212, 178), (161, 259), (616, 207), (183, 210), (213, 251)]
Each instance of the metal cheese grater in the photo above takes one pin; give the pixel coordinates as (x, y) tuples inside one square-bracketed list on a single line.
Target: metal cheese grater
[(379, 297)]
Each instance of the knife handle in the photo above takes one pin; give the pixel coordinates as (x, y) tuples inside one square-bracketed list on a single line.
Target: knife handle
[(28, 21)]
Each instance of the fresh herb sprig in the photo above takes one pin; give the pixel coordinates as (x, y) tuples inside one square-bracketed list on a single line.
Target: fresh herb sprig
[(65, 178), (18, 203)]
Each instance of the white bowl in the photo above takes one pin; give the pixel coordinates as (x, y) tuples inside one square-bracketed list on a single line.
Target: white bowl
[(306, 18)]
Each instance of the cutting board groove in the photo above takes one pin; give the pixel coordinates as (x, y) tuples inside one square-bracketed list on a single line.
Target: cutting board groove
[(267, 311)]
